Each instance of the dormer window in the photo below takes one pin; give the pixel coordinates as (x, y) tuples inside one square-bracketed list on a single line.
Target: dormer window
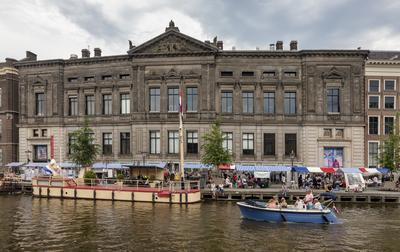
[(226, 73), (248, 74), (290, 74), (73, 79), (106, 77)]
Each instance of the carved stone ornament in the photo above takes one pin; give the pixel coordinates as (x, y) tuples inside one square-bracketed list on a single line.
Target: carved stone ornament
[(333, 73), (171, 44), (37, 80)]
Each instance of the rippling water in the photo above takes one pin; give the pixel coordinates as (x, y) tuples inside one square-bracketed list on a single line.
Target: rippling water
[(32, 224)]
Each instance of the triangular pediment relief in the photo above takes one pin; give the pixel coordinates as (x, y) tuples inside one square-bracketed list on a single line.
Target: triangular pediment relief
[(172, 42), (333, 73), (38, 80)]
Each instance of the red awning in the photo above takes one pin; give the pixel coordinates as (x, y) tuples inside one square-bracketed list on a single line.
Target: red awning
[(226, 167), (328, 169)]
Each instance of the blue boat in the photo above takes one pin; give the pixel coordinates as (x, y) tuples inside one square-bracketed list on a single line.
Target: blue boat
[(255, 210)]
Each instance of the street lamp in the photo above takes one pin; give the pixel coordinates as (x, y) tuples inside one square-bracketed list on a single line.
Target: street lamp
[(292, 156)]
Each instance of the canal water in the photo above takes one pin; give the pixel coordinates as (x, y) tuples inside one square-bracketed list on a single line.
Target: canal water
[(33, 224)]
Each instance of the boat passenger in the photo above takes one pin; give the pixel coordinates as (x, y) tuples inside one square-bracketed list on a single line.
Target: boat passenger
[(228, 182), (271, 203), (299, 204), (309, 197), (283, 203), (317, 205)]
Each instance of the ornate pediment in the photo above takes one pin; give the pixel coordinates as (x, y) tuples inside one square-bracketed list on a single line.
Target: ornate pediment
[(38, 80), (333, 74), (172, 42)]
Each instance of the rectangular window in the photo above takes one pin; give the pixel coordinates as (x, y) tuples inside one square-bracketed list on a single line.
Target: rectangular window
[(107, 104), (89, 78), (89, 105), (269, 144), (39, 104), (71, 141), (333, 100), (247, 73), (35, 133), (290, 74), (173, 99), (40, 153), (226, 73), (73, 106), (389, 102), (173, 142), (247, 101), (154, 142), (44, 132), (290, 144), (269, 74), (125, 103), (373, 85), (373, 148), (248, 143), (390, 85), (290, 103), (124, 76), (373, 101), (106, 77), (226, 102), (192, 142), (107, 143), (125, 143), (154, 99), (389, 123), (373, 125), (227, 143), (191, 99), (269, 102), (73, 79)]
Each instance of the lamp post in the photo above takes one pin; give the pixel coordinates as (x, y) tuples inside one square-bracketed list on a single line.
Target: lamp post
[(28, 152), (292, 156)]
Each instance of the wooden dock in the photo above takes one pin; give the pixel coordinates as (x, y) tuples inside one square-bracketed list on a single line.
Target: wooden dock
[(369, 196)]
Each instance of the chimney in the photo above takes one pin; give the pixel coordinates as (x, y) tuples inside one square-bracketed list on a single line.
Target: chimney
[(97, 52), (220, 45), (272, 47), (279, 45), (293, 45), (85, 53), (31, 56)]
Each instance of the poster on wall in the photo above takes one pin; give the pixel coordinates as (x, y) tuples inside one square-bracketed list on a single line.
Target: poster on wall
[(41, 152), (333, 157)]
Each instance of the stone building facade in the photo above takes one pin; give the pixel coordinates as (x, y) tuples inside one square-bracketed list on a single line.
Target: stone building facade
[(8, 112), (271, 102), (382, 77)]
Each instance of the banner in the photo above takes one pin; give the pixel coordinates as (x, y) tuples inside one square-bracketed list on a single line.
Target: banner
[(258, 174)]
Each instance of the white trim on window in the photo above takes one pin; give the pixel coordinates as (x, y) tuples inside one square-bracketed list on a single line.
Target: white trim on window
[(394, 102), (379, 125), (394, 122), (379, 85), (379, 101), (368, 151), (384, 84)]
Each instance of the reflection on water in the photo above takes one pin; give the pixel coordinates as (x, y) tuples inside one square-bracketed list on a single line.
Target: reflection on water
[(57, 225)]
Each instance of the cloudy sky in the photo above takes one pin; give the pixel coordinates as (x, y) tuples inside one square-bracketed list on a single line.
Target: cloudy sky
[(55, 29)]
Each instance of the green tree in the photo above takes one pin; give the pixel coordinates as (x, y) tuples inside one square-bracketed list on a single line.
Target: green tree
[(214, 153), (83, 149), (389, 156)]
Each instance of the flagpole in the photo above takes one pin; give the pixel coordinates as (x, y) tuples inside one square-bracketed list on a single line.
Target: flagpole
[(181, 146)]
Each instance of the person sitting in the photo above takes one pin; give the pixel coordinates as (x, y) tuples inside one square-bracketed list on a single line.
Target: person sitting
[(299, 204), (228, 183), (283, 203), (317, 205), (271, 203), (309, 197)]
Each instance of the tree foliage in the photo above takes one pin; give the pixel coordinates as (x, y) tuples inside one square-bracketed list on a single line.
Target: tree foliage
[(83, 149), (214, 153), (389, 155)]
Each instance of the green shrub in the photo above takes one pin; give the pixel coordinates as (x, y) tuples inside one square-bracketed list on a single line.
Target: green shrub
[(120, 176), (89, 176)]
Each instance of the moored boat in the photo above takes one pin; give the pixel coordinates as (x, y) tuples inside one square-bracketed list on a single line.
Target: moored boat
[(255, 210)]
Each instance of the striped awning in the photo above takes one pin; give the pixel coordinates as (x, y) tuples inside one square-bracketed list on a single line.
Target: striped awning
[(116, 166), (263, 168), (14, 164), (196, 166), (303, 169), (35, 165), (68, 165)]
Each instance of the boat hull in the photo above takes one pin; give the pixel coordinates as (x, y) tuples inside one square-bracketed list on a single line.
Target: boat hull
[(258, 213)]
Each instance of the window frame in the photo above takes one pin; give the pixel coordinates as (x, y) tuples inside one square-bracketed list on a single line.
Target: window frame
[(394, 102), (378, 128), (154, 137), (124, 143), (192, 142), (379, 101), (40, 104), (384, 124), (267, 99), (192, 98), (290, 99), (173, 142), (73, 107), (273, 148), (226, 98), (124, 103), (227, 142), (394, 85), (288, 144), (156, 97), (106, 146), (379, 85), (107, 104), (330, 100), (246, 142), (173, 99), (92, 104), (248, 102), (369, 163)]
